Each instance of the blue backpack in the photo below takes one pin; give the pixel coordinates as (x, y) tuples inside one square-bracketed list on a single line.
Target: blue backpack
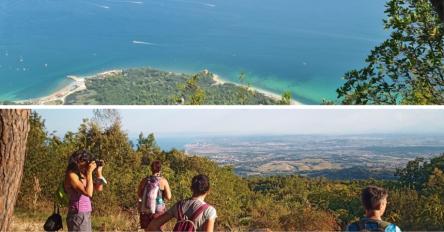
[(370, 225)]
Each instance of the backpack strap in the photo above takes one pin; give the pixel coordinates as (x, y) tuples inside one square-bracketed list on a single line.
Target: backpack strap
[(180, 211), (153, 179), (145, 183), (383, 224), (159, 193), (361, 225), (355, 226), (144, 192), (199, 211)]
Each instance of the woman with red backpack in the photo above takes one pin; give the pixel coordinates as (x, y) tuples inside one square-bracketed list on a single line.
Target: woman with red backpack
[(153, 191), (192, 214)]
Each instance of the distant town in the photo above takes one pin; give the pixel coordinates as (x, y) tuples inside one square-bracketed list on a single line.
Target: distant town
[(335, 157)]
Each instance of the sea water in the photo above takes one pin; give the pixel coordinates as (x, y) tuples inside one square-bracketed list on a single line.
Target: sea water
[(304, 46)]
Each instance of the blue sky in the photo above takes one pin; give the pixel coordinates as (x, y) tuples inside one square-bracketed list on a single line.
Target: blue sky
[(186, 122)]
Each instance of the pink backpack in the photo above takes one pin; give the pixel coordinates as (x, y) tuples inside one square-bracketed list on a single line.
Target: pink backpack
[(185, 224)]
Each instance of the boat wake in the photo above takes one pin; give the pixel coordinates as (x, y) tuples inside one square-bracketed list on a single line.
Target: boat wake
[(102, 6), (143, 43), (96, 5), (123, 1), (199, 3)]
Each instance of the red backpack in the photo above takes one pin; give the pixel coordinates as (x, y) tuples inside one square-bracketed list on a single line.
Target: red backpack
[(184, 224)]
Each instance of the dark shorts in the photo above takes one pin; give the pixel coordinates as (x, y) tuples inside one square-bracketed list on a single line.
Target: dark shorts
[(79, 221), (145, 219)]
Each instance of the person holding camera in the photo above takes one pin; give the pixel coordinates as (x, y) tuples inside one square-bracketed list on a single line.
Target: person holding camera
[(79, 185)]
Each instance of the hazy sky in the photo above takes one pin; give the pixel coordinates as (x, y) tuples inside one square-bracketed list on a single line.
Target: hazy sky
[(167, 122)]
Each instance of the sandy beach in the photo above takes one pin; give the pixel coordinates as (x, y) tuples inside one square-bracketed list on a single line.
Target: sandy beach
[(59, 96), (77, 84), (221, 81)]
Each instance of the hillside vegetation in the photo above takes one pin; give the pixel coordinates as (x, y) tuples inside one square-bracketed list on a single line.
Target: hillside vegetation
[(145, 86), (277, 202)]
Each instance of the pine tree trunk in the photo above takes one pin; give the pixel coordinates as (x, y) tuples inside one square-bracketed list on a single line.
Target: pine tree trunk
[(14, 128)]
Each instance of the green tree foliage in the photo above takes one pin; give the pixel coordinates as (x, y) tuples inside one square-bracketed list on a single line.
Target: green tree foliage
[(147, 144), (415, 211), (244, 90), (286, 98), (408, 67), (147, 147), (191, 92), (422, 175), (282, 204)]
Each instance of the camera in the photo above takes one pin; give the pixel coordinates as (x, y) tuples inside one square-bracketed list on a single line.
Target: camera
[(98, 162)]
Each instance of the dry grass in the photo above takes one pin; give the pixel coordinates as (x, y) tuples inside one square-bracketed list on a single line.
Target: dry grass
[(22, 224), (119, 221)]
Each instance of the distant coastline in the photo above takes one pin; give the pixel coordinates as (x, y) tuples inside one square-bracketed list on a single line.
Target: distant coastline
[(78, 83)]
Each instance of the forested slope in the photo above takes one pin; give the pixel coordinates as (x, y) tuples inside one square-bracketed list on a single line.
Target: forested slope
[(145, 86)]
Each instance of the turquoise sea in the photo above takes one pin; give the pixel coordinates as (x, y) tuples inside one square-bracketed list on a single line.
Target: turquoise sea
[(300, 45)]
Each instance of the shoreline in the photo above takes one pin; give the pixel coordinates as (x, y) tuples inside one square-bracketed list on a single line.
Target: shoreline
[(78, 83), (270, 94), (58, 97)]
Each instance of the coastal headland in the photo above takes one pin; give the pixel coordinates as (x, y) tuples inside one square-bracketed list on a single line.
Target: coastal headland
[(80, 84)]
